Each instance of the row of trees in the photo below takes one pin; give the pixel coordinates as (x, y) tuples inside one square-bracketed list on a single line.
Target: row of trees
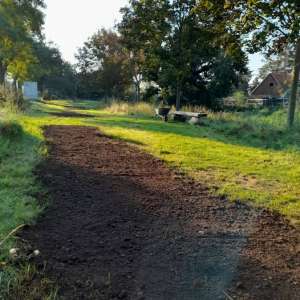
[(167, 44), (25, 55), (191, 51), (187, 50)]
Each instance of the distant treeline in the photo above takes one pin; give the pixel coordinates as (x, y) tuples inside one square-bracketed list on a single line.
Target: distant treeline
[(176, 51), (163, 50), (24, 54)]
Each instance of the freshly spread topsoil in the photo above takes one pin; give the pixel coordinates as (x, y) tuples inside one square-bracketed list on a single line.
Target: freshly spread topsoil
[(122, 225)]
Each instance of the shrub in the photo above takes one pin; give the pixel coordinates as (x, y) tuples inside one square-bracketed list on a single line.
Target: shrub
[(11, 100), (10, 130), (240, 98), (151, 94)]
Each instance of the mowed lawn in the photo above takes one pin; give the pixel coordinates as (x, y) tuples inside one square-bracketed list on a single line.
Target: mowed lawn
[(247, 157)]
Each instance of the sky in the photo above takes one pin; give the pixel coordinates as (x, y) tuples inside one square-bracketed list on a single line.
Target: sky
[(69, 25)]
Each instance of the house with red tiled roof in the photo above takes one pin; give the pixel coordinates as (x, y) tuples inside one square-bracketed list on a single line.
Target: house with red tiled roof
[(275, 85)]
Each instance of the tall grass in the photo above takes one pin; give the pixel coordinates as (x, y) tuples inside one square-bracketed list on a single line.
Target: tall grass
[(144, 108), (10, 100), (264, 128), (259, 117), (140, 108)]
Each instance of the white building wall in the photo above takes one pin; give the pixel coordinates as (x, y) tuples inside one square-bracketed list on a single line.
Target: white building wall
[(30, 90)]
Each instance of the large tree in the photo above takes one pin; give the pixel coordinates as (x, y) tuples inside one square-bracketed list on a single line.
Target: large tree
[(142, 29), (102, 66), (20, 22), (183, 53), (267, 25)]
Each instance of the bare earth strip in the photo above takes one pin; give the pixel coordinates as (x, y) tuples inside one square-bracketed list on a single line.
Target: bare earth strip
[(122, 225)]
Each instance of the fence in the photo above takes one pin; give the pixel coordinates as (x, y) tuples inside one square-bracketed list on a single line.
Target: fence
[(267, 102)]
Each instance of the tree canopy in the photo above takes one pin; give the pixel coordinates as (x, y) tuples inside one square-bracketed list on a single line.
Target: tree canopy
[(21, 22), (183, 53), (102, 66), (55, 76), (263, 25), (189, 51)]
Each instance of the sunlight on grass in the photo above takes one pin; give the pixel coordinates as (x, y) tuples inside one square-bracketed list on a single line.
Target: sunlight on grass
[(239, 172), (246, 156), (141, 108)]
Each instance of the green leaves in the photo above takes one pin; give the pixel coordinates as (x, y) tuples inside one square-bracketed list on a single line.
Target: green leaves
[(103, 67), (20, 21), (265, 24), (182, 47)]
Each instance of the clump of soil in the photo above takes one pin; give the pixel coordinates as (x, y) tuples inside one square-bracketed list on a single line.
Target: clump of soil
[(121, 225)]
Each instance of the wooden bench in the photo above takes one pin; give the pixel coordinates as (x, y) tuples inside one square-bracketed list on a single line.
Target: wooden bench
[(191, 117)]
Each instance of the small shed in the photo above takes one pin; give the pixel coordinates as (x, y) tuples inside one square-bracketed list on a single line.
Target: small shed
[(274, 85), (30, 90)]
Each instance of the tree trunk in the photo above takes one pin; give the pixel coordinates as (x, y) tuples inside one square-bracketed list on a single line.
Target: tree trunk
[(178, 96), (15, 85), (293, 98), (2, 73), (137, 92)]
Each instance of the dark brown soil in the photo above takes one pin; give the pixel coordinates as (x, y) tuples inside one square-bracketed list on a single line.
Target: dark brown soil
[(70, 114), (121, 225)]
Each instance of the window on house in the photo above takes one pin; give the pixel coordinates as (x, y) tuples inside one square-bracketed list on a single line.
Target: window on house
[(271, 84)]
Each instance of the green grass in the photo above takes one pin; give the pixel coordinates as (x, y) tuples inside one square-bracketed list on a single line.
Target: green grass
[(246, 156), (249, 156), (18, 157), (19, 154), (238, 167)]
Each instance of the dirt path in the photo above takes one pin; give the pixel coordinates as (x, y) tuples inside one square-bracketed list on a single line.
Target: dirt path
[(121, 225)]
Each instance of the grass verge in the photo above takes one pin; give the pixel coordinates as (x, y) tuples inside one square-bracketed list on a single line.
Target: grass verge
[(18, 157), (20, 152)]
